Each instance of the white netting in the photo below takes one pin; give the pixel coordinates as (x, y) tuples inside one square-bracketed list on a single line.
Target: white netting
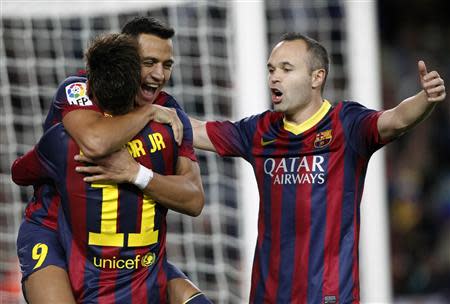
[(37, 52)]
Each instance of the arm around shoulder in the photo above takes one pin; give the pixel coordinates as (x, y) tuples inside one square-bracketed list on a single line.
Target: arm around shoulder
[(98, 135)]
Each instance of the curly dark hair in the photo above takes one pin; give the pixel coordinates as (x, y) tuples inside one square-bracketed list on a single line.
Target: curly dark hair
[(114, 72)]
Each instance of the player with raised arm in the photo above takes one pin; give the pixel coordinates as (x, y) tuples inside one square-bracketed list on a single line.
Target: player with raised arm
[(48, 281), (310, 160)]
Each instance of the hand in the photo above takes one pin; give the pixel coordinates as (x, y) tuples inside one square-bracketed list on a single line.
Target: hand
[(169, 116), (118, 167), (432, 83)]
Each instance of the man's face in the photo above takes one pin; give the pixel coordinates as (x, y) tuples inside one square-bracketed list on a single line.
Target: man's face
[(290, 80), (156, 66)]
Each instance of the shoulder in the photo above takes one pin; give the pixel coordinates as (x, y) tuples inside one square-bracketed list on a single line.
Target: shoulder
[(72, 80), (167, 100), (73, 86)]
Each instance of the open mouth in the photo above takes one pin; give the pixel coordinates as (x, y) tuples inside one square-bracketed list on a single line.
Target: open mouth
[(149, 91), (277, 95)]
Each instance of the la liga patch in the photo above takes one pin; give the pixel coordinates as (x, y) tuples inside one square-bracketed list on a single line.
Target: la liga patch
[(76, 94)]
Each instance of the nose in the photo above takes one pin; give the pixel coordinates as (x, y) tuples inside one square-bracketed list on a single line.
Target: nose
[(274, 77), (158, 72)]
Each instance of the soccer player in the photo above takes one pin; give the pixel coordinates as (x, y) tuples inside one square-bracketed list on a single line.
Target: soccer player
[(113, 235), (310, 160), (92, 131)]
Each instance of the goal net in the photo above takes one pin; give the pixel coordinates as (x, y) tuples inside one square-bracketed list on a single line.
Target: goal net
[(42, 42)]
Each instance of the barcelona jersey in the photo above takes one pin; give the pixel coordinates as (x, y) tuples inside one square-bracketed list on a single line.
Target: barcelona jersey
[(114, 235), (310, 179), (72, 95)]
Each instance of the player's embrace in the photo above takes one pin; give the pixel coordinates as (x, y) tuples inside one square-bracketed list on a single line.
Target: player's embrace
[(113, 235)]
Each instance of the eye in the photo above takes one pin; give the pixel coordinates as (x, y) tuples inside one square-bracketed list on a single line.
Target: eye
[(148, 62), (168, 66)]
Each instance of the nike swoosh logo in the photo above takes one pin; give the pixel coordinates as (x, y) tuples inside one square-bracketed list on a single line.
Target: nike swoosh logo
[(267, 142)]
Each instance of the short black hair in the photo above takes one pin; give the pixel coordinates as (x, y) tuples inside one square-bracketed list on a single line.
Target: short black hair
[(318, 53), (148, 25), (114, 72)]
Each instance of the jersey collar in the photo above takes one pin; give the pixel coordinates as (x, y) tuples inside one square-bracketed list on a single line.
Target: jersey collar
[(310, 122)]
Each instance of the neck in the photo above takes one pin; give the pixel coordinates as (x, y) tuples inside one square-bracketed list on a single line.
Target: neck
[(304, 112)]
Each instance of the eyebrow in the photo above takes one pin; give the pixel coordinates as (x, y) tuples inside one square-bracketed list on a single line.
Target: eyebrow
[(283, 64)]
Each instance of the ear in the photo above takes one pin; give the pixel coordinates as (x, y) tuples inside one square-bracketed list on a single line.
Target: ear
[(318, 78)]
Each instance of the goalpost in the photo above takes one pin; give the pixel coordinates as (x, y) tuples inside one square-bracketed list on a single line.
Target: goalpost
[(221, 48)]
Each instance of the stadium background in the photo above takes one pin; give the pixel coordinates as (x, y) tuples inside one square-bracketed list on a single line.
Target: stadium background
[(37, 52)]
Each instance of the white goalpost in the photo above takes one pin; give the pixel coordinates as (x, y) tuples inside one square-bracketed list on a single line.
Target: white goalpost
[(364, 80)]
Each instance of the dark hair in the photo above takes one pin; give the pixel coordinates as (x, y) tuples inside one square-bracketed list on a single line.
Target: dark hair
[(318, 58), (148, 25), (114, 72)]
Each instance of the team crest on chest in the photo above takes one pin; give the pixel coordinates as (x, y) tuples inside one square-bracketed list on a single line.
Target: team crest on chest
[(323, 139)]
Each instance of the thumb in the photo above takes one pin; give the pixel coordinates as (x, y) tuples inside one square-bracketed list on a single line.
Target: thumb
[(422, 68)]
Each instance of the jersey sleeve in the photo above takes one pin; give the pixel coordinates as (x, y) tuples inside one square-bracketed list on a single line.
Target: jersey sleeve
[(28, 170), (187, 147), (71, 95), (360, 125), (232, 138)]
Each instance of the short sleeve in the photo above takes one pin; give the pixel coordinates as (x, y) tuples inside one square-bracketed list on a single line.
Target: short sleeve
[(360, 127)]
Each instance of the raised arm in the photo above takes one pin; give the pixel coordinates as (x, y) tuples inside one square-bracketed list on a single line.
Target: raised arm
[(98, 135), (182, 192), (415, 109)]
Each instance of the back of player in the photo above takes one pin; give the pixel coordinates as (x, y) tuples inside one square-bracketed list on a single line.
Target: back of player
[(111, 232)]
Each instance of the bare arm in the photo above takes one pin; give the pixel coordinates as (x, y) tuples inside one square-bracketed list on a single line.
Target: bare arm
[(182, 192), (415, 109), (98, 135), (201, 139)]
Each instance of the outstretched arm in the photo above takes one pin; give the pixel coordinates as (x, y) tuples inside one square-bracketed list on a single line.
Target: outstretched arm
[(182, 192), (201, 139), (415, 109), (98, 135)]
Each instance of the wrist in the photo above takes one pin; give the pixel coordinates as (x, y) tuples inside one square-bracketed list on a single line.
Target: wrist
[(143, 177)]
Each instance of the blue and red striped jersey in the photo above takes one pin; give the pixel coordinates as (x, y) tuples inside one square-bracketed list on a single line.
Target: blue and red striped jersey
[(310, 179), (72, 95), (113, 235)]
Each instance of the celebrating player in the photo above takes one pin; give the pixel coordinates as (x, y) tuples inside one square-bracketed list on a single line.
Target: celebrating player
[(310, 160), (108, 263), (45, 282)]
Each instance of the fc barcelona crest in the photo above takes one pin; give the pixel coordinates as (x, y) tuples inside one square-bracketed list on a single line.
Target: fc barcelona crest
[(323, 139)]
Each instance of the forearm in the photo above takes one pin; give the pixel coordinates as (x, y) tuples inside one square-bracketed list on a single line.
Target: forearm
[(413, 110), (201, 139), (182, 192), (405, 116), (99, 135), (186, 197)]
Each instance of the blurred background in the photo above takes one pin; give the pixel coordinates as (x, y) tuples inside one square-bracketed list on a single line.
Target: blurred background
[(418, 165), (42, 43)]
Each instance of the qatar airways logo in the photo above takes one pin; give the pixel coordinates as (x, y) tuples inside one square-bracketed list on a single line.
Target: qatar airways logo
[(296, 170)]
